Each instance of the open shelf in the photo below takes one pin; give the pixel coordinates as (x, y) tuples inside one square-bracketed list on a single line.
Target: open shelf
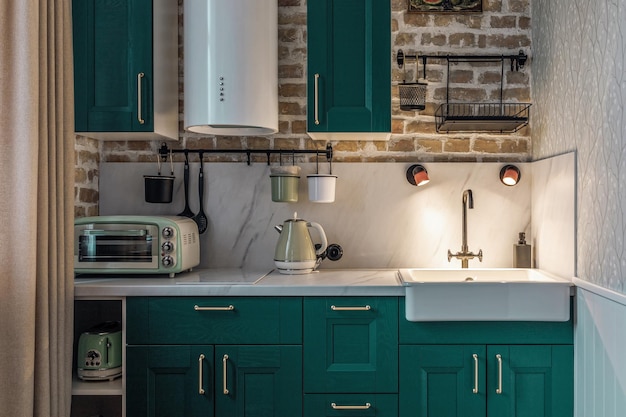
[(482, 117), (106, 387)]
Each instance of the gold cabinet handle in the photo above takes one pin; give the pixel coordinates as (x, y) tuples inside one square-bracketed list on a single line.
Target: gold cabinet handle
[(227, 308), (357, 308), (475, 390), (200, 387), (316, 99), (224, 381), (499, 389), (350, 407), (139, 94)]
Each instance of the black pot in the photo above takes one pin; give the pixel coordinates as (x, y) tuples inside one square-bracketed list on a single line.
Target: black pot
[(158, 188)]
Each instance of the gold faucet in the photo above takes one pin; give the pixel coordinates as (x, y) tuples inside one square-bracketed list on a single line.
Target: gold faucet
[(465, 255)]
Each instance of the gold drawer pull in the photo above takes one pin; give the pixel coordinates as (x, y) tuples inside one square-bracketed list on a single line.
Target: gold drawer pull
[(200, 385), (224, 375), (139, 94), (228, 308), (475, 390), (350, 407), (360, 308), (499, 389), (316, 99)]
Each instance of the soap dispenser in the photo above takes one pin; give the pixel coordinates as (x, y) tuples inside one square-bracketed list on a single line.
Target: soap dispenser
[(522, 253)]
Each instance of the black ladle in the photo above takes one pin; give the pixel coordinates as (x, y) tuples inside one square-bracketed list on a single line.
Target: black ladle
[(200, 218), (187, 210)]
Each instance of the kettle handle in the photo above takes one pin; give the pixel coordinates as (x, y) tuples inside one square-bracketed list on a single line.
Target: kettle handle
[(322, 236)]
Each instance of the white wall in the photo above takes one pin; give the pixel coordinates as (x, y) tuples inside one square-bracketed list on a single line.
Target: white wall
[(379, 219), (579, 103), (600, 372), (579, 95)]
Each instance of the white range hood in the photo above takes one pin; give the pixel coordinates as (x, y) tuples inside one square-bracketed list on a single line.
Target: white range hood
[(231, 67)]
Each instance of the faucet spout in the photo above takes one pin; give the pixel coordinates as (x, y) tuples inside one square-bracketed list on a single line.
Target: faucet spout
[(465, 255)]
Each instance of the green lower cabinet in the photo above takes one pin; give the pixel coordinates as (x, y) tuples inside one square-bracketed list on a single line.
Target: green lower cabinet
[(258, 381), (167, 381), (234, 381), (486, 380), (347, 405), (351, 344)]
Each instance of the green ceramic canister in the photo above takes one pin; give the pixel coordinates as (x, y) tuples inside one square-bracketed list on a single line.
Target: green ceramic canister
[(285, 188)]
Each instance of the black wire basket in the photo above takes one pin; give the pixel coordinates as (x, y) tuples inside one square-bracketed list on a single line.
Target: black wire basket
[(412, 95)]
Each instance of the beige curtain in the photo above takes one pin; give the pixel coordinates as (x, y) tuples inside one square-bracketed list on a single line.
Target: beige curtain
[(36, 207)]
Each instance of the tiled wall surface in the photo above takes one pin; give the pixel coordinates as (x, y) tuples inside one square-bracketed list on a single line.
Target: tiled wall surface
[(579, 89)]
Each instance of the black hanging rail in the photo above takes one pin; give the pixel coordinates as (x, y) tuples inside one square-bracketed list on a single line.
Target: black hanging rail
[(164, 151)]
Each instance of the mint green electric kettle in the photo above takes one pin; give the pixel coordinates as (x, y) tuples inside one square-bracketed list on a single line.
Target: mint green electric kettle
[(295, 252)]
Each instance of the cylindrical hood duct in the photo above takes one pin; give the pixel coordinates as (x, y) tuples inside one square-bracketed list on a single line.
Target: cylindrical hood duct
[(231, 67)]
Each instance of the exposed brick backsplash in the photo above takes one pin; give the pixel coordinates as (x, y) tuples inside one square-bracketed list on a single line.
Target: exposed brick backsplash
[(502, 28)]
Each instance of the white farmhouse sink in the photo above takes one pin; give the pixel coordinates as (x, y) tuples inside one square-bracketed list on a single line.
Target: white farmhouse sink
[(485, 295)]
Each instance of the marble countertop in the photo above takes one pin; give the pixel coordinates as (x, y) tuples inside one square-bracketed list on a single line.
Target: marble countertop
[(238, 282)]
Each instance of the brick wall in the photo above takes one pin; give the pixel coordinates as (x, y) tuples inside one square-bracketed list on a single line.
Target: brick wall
[(502, 28)]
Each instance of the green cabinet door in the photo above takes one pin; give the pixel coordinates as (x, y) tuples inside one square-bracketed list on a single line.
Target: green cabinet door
[(501, 380), (113, 65), (169, 381), (442, 380), (530, 381), (253, 381), (351, 345), (349, 66)]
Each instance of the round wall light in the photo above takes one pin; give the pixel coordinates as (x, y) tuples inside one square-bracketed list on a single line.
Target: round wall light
[(417, 175), (510, 175)]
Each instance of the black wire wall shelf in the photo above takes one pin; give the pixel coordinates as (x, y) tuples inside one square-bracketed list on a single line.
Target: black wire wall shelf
[(502, 117)]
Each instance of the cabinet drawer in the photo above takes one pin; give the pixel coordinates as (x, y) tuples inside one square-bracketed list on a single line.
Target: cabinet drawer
[(214, 320), (327, 405), (351, 344)]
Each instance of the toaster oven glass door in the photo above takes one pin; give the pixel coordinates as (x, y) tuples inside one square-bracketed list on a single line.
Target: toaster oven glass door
[(130, 247)]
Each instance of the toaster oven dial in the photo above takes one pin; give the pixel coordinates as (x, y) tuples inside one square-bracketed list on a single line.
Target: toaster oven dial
[(167, 232), (168, 261), (167, 246)]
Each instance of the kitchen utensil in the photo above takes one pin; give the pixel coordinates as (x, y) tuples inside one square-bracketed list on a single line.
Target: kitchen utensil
[(99, 353), (187, 210), (295, 252), (159, 188), (285, 181), (322, 186), (201, 218), (412, 94)]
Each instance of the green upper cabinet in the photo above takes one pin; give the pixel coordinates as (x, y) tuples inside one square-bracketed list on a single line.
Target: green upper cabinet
[(125, 74), (349, 69)]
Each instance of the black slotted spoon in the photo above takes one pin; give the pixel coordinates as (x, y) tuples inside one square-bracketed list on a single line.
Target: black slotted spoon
[(200, 218), (187, 210)]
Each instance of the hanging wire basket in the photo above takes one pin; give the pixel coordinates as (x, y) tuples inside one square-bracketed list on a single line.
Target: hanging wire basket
[(412, 95)]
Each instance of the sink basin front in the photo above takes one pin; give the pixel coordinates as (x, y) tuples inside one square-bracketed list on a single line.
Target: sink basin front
[(485, 295)]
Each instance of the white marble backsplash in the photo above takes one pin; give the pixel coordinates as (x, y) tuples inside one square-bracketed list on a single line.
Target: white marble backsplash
[(379, 219)]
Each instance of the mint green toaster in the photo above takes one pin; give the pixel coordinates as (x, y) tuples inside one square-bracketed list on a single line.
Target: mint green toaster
[(99, 352)]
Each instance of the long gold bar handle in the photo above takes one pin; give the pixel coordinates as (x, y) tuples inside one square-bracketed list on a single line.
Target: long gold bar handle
[(316, 98), (360, 308), (224, 381), (475, 390), (139, 94), (350, 407), (499, 389), (227, 308), (200, 387)]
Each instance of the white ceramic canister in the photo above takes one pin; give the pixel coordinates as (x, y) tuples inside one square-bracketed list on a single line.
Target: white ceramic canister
[(322, 188)]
